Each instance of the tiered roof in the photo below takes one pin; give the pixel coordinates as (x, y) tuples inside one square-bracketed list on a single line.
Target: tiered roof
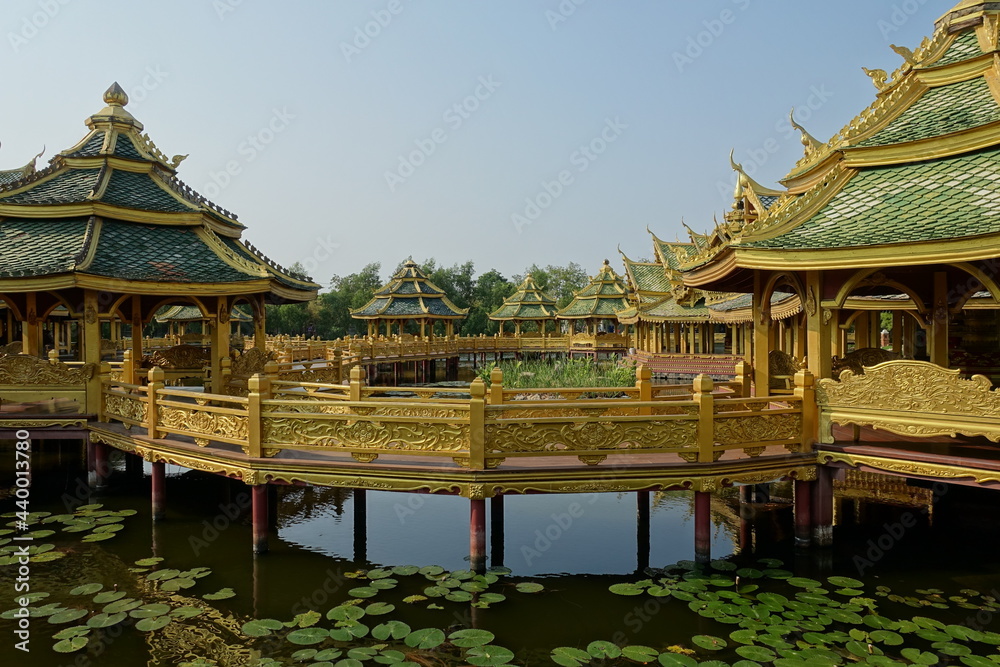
[(528, 303), (410, 295), (920, 168), (111, 213), (194, 314), (602, 298)]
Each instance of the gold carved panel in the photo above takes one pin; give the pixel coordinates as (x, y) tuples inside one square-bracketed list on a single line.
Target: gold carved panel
[(366, 434), (590, 436), (21, 369)]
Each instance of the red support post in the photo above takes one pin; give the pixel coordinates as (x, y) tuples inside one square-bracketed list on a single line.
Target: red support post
[(102, 465), (822, 508), (702, 526), (803, 513), (259, 511), (477, 534), (159, 490)]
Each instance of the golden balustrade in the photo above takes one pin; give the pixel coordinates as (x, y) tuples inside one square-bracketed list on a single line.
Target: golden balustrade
[(478, 427)]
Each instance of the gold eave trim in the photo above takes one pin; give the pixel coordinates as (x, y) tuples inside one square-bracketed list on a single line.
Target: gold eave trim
[(716, 269), (95, 239), (803, 209), (933, 148), (802, 183), (909, 467), (123, 286), (86, 209), (898, 254)]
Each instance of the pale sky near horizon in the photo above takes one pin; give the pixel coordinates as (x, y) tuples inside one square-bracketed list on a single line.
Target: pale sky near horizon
[(428, 135)]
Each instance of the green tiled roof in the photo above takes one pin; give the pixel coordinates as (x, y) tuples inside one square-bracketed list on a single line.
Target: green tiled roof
[(69, 187), (41, 247), (926, 201), (670, 309), (647, 277), (529, 302), (960, 106), (11, 176), (668, 252), (278, 272), (768, 200), (125, 148), (963, 48), (399, 298), (159, 253), (92, 148), (194, 314), (139, 191), (604, 296)]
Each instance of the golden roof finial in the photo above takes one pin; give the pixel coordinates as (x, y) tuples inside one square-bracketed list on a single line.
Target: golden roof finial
[(115, 96), (808, 141), (905, 53)]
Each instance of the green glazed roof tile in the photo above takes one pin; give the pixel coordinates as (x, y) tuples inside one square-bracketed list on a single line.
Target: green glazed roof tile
[(41, 247), (139, 191), (92, 148), (409, 294), (159, 254), (193, 314), (964, 47), (125, 148), (927, 201), (960, 106), (69, 187)]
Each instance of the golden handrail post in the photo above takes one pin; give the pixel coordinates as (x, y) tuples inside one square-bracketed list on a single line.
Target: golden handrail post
[(156, 378), (743, 376), (703, 387), (260, 390), (805, 389), (128, 368), (496, 387), (644, 383), (357, 382), (105, 378), (477, 425), (338, 364)]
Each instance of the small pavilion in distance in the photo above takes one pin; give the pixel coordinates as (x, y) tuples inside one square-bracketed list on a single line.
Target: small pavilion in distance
[(410, 296), (596, 306), (529, 304)]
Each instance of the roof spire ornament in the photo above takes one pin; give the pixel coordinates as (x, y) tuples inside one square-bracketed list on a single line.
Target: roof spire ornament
[(879, 77), (809, 142), (905, 53), (115, 96)]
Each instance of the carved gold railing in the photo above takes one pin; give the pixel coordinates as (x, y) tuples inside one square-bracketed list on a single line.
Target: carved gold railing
[(478, 427), (45, 385), (910, 398)]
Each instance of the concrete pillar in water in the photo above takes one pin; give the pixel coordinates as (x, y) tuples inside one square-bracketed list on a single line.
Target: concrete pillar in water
[(822, 508), (702, 526), (803, 513), (259, 512), (642, 530), (477, 534), (159, 490), (497, 530), (360, 498)]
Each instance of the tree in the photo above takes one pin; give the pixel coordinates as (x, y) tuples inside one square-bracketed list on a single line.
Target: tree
[(559, 282)]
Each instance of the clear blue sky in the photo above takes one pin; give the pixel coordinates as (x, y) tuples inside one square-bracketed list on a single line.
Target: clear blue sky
[(340, 108)]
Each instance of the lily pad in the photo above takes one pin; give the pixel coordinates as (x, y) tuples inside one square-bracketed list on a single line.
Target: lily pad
[(379, 608), (307, 636), (70, 645), (106, 620), (470, 638), (67, 616), (223, 594), (405, 570), (529, 587), (845, 582), (427, 638), (489, 656), (625, 589), (261, 627), (567, 656), (391, 630), (363, 592), (677, 660), (151, 624), (150, 611), (346, 613), (709, 642), (756, 653), (149, 562), (640, 654)]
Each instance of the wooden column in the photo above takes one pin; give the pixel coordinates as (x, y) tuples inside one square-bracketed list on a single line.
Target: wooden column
[(702, 526), (260, 326), (819, 335), (159, 490), (31, 330), (937, 343), (259, 512), (822, 507), (761, 336), (219, 326), (91, 348), (803, 513), (477, 534), (862, 329)]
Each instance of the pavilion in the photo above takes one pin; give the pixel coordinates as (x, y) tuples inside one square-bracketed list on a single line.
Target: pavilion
[(529, 304), (410, 296), (108, 232)]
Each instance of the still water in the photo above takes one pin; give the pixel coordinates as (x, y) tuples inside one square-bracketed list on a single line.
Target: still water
[(575, 546)]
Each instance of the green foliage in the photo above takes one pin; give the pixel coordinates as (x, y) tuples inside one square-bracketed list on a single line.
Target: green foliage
[(567, 373)]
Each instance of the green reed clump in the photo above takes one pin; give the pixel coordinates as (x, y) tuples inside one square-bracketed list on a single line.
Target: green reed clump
[(568, 373)]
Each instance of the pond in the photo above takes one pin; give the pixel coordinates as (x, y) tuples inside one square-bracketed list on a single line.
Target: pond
[(576, 579)]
